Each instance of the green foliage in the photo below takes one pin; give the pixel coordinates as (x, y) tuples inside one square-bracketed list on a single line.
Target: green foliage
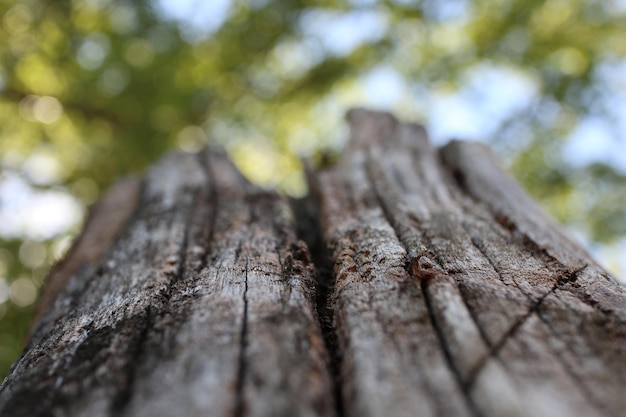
[(95, 89)]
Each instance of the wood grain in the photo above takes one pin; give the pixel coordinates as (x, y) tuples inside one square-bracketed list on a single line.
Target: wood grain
[(412, 281), (204, 306), (488, 273)]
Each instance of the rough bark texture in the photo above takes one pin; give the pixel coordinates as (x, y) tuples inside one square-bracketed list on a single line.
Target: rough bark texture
[(429, 285), (205, 305)]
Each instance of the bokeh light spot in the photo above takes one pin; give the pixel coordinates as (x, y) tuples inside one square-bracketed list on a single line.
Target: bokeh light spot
[(17, 19), (113, 81), (191, 139), (139, 53), (32, 254), (47, 109), (93, 51), (23, 292)]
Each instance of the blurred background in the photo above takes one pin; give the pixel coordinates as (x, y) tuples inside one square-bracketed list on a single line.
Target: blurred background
[(91, 90)]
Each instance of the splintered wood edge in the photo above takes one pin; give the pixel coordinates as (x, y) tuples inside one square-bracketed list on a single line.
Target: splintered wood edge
[(106, 220)]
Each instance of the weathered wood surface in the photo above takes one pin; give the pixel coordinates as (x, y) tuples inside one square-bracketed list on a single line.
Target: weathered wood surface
[(203, 306), (455, 294), (105, 222), (429, 285)]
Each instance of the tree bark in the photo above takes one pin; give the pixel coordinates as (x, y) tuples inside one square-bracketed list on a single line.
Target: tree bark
[(429, 285)]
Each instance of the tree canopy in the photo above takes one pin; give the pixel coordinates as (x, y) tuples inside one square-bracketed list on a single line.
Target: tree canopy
[(91, 90)]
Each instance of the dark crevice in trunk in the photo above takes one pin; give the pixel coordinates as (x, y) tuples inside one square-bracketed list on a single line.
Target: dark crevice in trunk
[(240, 406), (424, 276), (456, 180), (124, 394), (563, 273), (444, 346), (309, 229), (162, 300), (213, 202)]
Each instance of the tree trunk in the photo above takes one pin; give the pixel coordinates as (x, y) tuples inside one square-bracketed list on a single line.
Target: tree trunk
[(429, 285)]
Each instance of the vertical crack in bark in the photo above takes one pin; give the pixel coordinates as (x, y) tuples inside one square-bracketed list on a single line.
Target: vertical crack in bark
[(240, 406), (464, 387), (457, 180), (123, 396), (325, 288), (444, 346), (213, 201), (309, 229)]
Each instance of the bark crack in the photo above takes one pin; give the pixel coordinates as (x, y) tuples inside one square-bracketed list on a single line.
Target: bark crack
[(123, 396), (550, 262), (482, 251), (463, 387), (309, 229), (444, 346), (241, 371), (492, 354), (213, 200), (497, 347), (212, 222)]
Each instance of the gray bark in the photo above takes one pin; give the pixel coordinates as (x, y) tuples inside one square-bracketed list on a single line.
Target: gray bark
[(429, 285)]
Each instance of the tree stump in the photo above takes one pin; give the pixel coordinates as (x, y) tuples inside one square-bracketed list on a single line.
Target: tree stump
[(413, 281)]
